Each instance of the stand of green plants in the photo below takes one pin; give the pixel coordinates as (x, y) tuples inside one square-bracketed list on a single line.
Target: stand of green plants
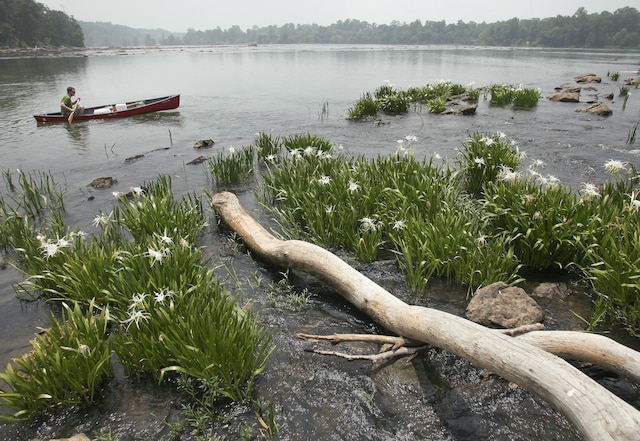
[(135, 286), (483, 218)]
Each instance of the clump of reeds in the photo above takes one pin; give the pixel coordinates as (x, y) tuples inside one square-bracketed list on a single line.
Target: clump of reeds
[(487, 220), (390, 100), (140, 290), (67, 365), (519, 97), (231, 166)]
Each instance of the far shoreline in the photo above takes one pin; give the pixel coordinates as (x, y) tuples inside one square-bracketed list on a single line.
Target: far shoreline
[(35, 52)]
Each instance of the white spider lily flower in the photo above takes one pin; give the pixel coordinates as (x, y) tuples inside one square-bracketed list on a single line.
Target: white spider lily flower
[(135, 317), (368, 223), (399, 224), (162, 295), (84, 350), (411, 138), (49, 249), (353, 186), (482, 240), (324, 180), (634, 203), (102, 219), (137, 301), (156, 255), (507, 175), (589, 191), (613, 166)]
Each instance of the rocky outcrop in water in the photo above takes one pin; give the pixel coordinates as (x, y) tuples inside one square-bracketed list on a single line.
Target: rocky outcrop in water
[(103, 182), (203, 143), (599, 109), (588, 78), (502, 305), (565, 97)]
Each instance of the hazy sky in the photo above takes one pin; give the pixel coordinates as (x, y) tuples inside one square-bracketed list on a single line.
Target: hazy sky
[(178, 16)]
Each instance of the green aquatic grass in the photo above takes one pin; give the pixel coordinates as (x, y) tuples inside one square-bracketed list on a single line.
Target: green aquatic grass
[(67, 365), (366, 106), (393, 101), (268, 147), (168, 313), (307, 143), (231, 166), (485, 157), (519, 97), (526, 97)]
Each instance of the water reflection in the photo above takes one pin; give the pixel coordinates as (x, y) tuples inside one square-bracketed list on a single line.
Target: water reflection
[(78, 135)]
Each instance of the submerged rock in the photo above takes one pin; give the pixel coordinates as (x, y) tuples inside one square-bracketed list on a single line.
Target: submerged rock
[(198, 160), (502, 305), (133, 158)]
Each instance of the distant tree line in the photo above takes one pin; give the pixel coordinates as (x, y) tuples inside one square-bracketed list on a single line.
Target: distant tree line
[(26, 23), (620, 29), (101, 34)]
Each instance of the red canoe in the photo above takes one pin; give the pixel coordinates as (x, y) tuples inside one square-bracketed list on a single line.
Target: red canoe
[(116, 110)]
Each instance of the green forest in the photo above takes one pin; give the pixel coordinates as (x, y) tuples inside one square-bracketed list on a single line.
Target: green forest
[(26, 23), (620, 29)]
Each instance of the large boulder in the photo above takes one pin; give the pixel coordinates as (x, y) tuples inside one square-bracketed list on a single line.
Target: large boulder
[(505, 306)]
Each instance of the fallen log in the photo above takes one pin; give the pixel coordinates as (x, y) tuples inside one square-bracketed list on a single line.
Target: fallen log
[(597, 413)]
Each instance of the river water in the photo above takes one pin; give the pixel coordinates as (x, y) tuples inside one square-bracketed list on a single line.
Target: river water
[(229, 93)]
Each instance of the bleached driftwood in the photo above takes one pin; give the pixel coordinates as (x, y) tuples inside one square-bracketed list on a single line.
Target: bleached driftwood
[(597, 413)]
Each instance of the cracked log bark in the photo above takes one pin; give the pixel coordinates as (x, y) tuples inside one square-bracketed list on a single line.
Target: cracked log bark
[(597, 413)]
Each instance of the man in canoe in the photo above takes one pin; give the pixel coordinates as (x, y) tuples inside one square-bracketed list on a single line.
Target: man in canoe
[(70, 107)]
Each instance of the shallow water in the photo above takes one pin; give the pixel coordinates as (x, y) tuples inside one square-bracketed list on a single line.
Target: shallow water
[(230, 93)]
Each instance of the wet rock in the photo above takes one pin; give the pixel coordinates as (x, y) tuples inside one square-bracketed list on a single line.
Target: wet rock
[(203, 143), (608, 96), (630, 81), (588, 78), (198, 160), (469, 109), (596, 109), (565, 97), (574, 89), (104, 182), (78, 437), (502, 305)]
